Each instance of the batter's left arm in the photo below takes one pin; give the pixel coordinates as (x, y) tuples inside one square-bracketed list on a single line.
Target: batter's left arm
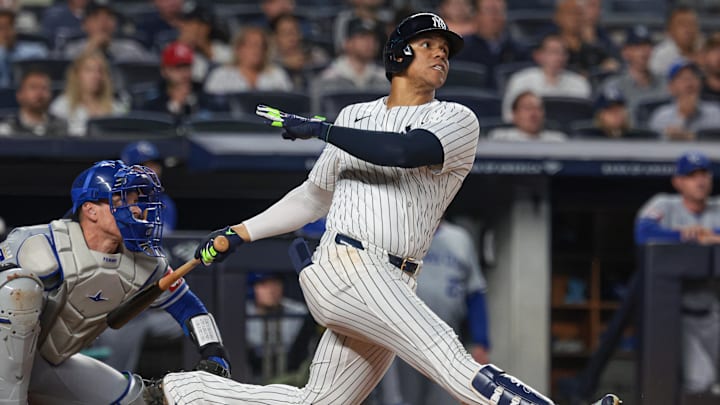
[(417, 147)]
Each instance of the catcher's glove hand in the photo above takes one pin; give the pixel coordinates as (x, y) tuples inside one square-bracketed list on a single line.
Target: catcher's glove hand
[(214, 365), (295, 126)]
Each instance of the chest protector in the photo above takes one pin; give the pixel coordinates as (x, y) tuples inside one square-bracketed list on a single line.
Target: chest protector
[(95, 284)]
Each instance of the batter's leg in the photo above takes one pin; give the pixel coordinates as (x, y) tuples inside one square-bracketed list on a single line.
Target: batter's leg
[(362, 295), (344, 370)]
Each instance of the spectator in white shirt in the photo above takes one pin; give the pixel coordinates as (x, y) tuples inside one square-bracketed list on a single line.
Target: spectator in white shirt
[(252, 69), (549, 78), (682, 40), (88, 93), (528, 117)]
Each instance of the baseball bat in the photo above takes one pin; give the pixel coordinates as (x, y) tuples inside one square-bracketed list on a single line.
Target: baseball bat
[(142, 299)]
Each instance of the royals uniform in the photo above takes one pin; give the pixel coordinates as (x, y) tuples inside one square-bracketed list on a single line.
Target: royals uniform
[(80, 287), (700, 305), (367, 303)]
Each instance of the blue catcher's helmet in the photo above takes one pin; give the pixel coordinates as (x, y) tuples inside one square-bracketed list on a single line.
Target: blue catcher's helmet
[(398, 53), (137, 153), (139, 220)]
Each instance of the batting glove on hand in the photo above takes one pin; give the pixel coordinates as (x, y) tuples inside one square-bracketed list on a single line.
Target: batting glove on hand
[(295, 126), (207, 252)]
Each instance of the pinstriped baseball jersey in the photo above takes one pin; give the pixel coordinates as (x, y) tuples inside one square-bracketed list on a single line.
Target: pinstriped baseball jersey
[(394, 208)]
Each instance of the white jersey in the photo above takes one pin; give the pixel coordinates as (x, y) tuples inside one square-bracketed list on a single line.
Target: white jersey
[(393, 208)]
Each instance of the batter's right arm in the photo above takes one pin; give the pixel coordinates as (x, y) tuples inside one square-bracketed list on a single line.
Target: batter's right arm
[(304, 204)]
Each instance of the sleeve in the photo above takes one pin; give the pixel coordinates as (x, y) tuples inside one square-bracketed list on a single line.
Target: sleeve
[(302, 205), (458, 130), (214, 82), (32, 248), (324, 172), (478, 323), (186, 307), (649, 223)]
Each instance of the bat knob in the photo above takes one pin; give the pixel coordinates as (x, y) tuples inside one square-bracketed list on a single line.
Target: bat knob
[(221, 243)]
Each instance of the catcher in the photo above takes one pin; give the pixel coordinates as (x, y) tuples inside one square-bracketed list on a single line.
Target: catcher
[(59, 280)]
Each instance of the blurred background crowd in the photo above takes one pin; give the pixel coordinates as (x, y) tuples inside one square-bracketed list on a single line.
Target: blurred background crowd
[(535, 69)]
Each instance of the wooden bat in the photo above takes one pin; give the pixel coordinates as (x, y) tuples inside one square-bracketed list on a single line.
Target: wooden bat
[(142, 299)]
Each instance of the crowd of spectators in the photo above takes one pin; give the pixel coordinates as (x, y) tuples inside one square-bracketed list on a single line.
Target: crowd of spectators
[(199, 56)]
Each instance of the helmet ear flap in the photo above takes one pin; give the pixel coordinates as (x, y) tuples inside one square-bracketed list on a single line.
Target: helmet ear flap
[(407, 51), (398, 55)]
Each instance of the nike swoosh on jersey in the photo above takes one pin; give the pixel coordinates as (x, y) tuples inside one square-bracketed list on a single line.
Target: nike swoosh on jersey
[(362, 118)]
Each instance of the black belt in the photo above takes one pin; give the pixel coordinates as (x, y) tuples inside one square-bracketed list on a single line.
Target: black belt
[(407, 264)]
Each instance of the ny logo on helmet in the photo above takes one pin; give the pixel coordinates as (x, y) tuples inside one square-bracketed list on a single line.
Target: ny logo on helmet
[(439, 23)]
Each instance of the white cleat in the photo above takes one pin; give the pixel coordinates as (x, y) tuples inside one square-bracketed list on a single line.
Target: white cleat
[(608, 399)]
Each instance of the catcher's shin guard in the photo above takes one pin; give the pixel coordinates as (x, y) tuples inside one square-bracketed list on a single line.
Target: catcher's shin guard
[(503, 389), (609, 399), (21, 300)]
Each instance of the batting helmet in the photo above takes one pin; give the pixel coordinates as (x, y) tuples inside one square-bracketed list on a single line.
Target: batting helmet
[(398, 54), (112, 177), (137, 153)]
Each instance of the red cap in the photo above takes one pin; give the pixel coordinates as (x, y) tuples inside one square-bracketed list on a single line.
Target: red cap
[(177, 53)]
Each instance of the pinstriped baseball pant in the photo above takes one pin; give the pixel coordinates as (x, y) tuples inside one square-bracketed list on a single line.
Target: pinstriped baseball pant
[(371, 313)]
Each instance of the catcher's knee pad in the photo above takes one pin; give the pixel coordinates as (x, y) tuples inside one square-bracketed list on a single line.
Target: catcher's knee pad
[(21, 300), (504, 389)]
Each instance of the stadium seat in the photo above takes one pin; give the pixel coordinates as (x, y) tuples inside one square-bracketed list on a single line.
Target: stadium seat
[(591, 132), (332, 102), (55, 67), (37, 39), (137, 73), (565, 110), (642, 133), (588, 132), (710, 134), (531, 5), (530, 25), (223, 123), (135, 124), (503, 72), (292, 102), (466, 75), (490, 123), (7, 98), (484, 104), (645, 108)]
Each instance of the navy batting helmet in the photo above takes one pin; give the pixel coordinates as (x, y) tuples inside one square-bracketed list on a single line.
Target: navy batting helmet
[(398, 54)]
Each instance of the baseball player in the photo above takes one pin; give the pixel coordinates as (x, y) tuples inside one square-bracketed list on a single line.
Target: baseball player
[(59, 280), (389, 171), (690, 216)]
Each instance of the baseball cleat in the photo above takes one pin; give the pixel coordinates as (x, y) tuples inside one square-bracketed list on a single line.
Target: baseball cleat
[(609, 399)]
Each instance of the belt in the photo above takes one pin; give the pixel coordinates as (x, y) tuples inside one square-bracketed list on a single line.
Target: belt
[(407, 264)]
